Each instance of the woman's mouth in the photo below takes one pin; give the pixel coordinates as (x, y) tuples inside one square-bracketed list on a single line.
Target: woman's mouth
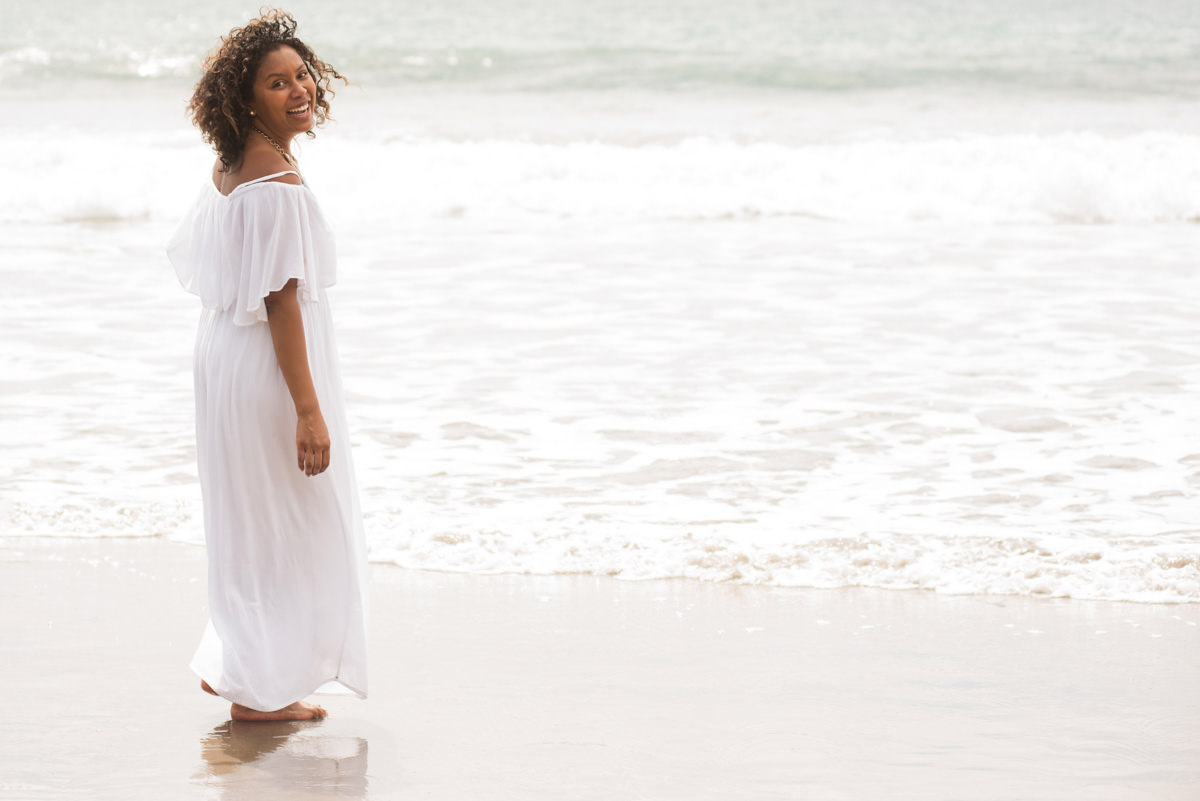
[(299, 111)]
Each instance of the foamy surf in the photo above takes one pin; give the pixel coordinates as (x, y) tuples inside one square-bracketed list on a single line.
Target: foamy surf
[(1066, 178), (959, 408)]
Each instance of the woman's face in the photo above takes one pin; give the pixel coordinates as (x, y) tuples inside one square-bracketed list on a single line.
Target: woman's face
[(283, 94)]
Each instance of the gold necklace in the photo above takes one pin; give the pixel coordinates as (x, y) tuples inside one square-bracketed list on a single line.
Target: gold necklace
[(286, 156)]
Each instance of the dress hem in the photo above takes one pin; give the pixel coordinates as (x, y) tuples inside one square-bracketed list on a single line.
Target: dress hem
[(357, 693)]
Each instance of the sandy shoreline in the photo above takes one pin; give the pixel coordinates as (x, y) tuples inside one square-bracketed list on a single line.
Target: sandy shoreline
[(583, 687)]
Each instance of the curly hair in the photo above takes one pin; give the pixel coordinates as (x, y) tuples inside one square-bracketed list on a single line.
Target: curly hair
[(219, 105)]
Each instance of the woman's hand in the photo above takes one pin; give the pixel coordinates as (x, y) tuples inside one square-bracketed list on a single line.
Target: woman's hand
[(312, 443)]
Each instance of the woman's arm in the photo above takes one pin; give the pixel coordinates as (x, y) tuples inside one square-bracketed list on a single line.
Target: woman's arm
[(287, 333)]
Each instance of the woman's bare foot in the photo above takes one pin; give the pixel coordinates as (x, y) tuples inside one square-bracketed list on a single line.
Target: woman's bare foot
[(204, 686), (296, 711)]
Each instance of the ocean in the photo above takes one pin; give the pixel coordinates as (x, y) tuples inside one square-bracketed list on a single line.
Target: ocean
[(806, 293)]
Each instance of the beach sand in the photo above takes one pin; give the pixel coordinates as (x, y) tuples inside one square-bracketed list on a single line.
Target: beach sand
[(583, 687)]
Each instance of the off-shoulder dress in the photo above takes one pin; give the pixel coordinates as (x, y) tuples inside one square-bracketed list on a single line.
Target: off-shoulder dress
[(287, 582)]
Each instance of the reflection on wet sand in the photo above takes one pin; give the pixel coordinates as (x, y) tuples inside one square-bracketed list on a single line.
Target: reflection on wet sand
[(282, 760)]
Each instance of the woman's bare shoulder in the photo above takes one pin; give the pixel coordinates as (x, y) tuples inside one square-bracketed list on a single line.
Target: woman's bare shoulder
[(256, 163)]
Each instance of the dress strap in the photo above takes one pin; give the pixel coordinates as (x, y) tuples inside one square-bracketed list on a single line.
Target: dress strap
[(269, 177)]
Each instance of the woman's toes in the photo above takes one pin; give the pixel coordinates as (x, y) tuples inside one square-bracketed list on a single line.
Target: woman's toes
[(314, 712)]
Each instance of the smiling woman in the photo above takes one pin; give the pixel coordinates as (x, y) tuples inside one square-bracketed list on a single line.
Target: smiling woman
[(287, 590), (259, 67)]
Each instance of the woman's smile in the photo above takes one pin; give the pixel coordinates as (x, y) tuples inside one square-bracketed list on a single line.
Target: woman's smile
[(302, 111)]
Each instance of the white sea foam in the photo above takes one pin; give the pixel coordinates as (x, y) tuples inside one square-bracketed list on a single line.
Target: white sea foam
[(1062, 178), (962, 408)]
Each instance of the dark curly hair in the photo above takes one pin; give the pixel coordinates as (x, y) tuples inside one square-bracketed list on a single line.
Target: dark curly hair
[(219, 105)]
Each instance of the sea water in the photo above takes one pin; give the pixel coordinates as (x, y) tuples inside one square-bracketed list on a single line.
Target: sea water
[(801, 293)]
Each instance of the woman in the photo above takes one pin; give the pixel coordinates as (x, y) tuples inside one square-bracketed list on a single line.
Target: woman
[(287, 583)]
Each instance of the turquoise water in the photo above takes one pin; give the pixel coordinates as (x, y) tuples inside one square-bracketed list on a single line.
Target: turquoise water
[(1061, 46)]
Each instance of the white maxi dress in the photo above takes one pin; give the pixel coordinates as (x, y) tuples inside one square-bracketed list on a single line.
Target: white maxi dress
[(287, 581)]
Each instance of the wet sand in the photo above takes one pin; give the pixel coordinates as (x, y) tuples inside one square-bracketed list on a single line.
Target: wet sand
[(579, 687)]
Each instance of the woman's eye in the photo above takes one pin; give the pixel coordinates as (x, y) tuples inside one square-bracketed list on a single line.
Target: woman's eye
[(278, 84), (303, 74)]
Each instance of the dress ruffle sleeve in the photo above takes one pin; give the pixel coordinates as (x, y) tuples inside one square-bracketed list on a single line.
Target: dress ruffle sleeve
[(235, 250)]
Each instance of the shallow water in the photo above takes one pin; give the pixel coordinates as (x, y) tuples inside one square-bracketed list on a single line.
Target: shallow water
[(953, 407)]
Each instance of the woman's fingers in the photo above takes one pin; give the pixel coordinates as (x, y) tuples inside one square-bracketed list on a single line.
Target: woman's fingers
[(312, 444), (312, 461)]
